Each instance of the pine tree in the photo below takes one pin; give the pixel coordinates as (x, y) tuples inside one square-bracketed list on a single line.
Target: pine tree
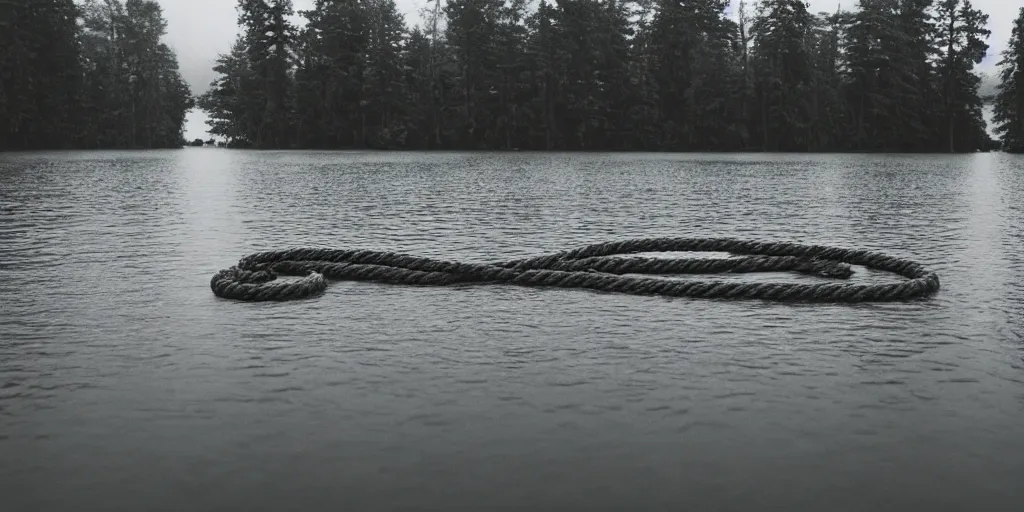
[(827, 115), (333, 71), (916, 91), (471, 29), (385, 112), (512, 64), (691, 43), (578, 114), (616, 94), (132, 94), (226, 102), (543, 67), (268, 38), (961, 38), (40, 74), (1009, 102), (890, 76), (783, 74), (419, 95)]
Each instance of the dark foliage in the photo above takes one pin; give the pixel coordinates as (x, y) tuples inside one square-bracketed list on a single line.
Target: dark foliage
[(894, 75), (891, 75), (1009, 100), (92, 75)]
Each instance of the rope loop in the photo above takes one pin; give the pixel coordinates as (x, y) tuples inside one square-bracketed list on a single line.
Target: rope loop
[(597, 267)]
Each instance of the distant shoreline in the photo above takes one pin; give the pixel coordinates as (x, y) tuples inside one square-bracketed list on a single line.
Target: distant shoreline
[(513, 151)]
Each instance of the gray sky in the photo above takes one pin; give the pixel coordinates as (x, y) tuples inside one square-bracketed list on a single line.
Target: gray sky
[(199, 30)]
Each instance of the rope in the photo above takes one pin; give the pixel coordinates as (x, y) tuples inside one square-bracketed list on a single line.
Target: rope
[(594, 267)]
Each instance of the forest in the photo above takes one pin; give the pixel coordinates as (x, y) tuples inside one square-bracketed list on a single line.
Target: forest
[(93, 74), (679, 75), (651, 75)]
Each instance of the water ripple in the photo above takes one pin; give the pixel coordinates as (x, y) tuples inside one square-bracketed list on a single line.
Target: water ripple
[(106, 320)]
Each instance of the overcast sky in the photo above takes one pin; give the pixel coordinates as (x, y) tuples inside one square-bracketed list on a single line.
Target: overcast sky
[(199, 30)]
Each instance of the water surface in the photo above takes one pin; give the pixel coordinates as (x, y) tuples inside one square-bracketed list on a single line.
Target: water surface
[(126, 385)]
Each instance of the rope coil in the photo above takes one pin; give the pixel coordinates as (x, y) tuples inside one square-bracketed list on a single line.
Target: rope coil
[(594, 267)]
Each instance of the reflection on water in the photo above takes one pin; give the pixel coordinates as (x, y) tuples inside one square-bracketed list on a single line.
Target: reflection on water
[(125, 383)]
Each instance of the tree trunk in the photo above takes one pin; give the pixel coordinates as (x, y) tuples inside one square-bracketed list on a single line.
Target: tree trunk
[(764, 121), (1019, 111)]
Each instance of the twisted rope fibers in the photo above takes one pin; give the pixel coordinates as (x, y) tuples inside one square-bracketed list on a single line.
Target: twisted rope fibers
[(594, 267)]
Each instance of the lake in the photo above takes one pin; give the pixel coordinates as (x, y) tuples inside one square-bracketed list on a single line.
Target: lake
[(125, 384)]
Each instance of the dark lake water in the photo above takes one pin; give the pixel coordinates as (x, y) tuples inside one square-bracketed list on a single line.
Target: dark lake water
[(126, 385)]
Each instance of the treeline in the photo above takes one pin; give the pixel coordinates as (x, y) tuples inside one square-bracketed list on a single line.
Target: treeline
[(88, 75), (892, 75)]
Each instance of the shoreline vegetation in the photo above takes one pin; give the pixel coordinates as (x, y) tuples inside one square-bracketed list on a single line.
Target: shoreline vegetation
[(88, 75), (892, 76)]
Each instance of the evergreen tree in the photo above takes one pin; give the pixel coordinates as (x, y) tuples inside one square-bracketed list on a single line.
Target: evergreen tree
[(643, 108), (94, 76), (331, 74), (385, 114), (961, 43), (226, 102), (470, 31), (419, 93), (783, 74), (268, 40), (889, 85), (1009, 101), (826, 112), (512, 64), (692, 45), (577, 109), (105, 82), (40, 74), (916, 91), (542, 66)]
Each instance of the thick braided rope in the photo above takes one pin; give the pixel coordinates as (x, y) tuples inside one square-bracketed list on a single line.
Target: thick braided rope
[(594, 267)]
